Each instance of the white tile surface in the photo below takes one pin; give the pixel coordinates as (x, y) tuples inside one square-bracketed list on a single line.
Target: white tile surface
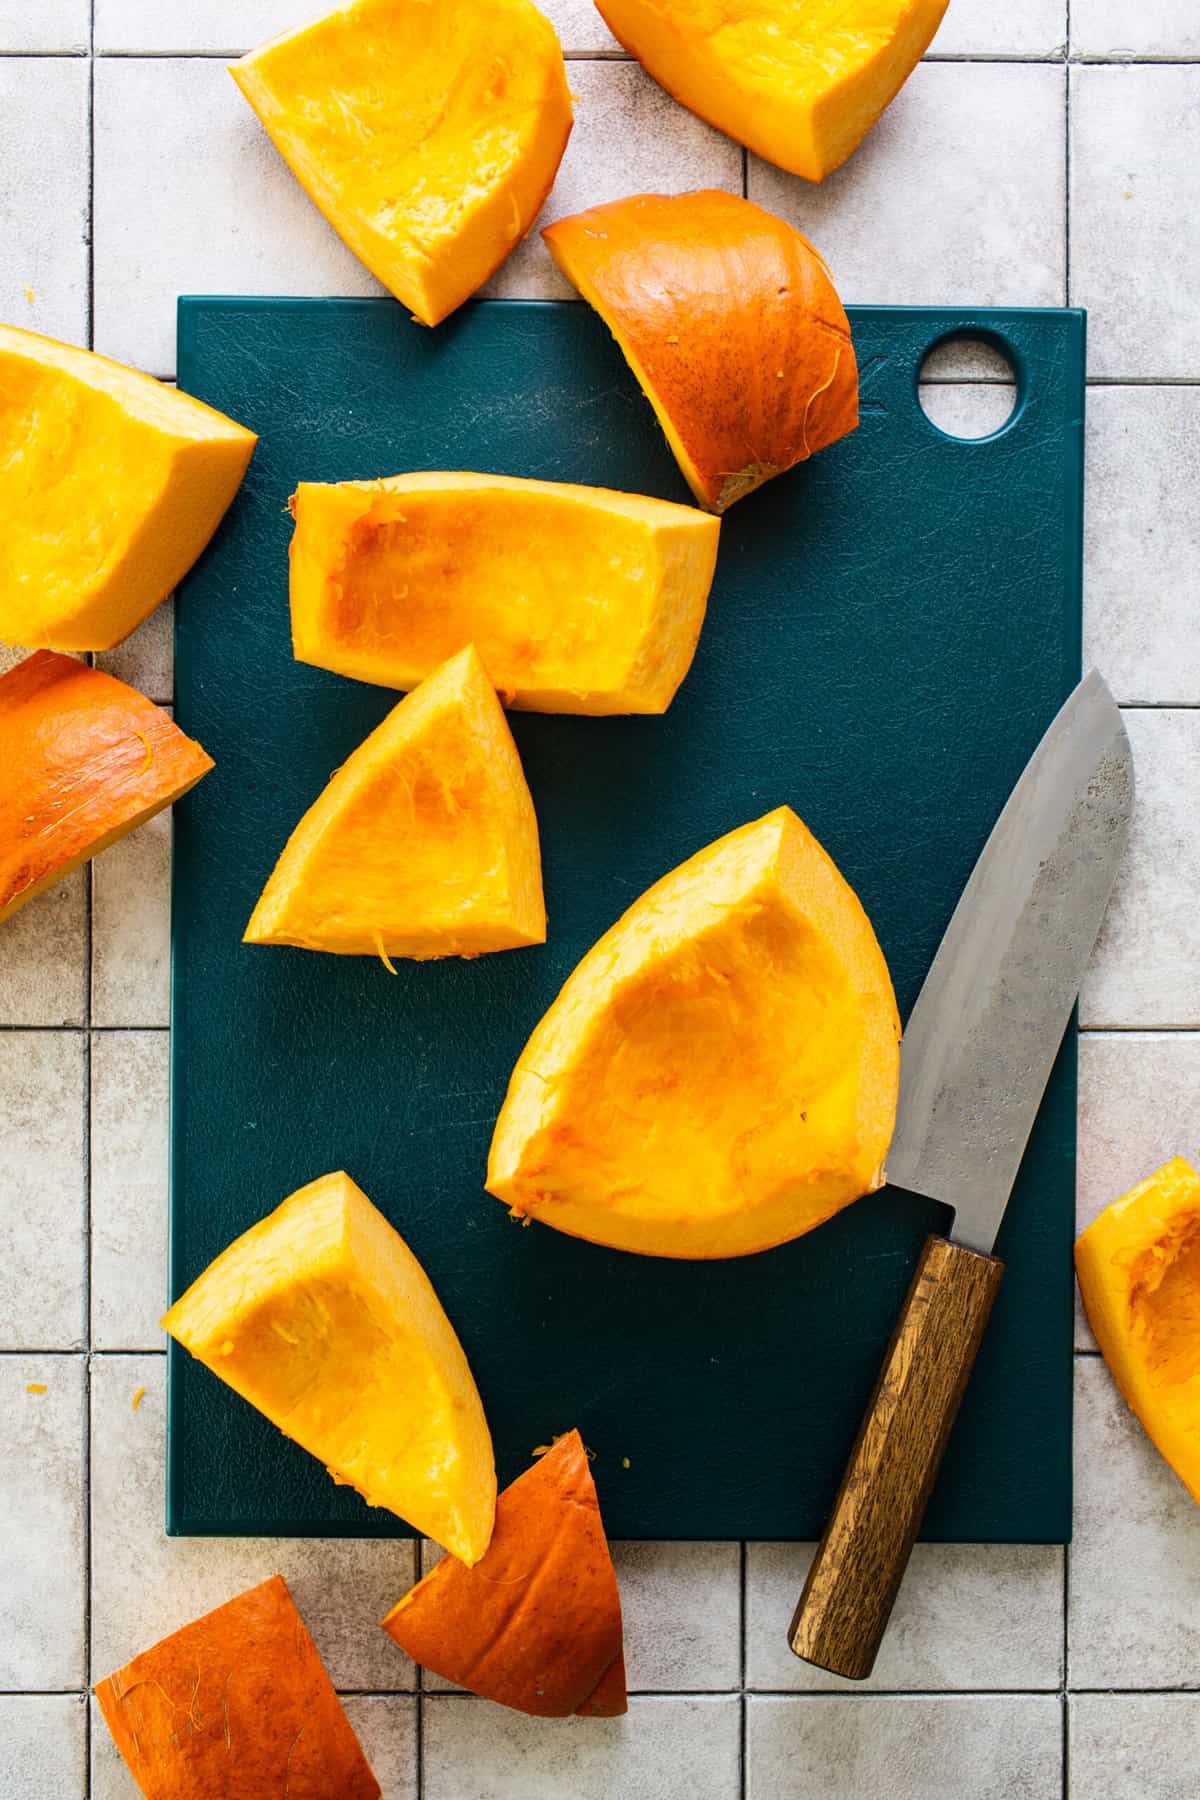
[(131, 928), (1146, 970), (146, 1585), (41, 1190), (968, 1616), (968, 409), (43, 25), (43, 1754), (387, 1730), (41, 1523), (42, 957), (1137, 1746), (960, 1747), (237, 25), (629, 136), (1018, 28), (130, 1072), (664, 1749), (1135, 264), (43, 195), (146, 659), (1135, 1561), (1145, 28)]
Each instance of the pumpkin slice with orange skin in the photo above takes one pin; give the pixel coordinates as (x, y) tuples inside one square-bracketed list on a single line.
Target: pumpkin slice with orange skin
[(800, 82), (322, 1318), (84, 760), (425, 841), (719, 1074), (1139, 1273), (536, 1624), (236, 1703), (428, 134), (730, 321)]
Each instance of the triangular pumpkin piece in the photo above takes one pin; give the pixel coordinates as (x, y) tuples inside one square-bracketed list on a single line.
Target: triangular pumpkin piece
[(425, 841), (536, 1624)]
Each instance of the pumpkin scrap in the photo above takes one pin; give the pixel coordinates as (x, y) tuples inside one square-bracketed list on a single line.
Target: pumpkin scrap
[(428, 135), (535, 1625), (578, 599), (425, 841), (236, 1703), (1139, 1274), (801, 82), (719, 1074), (321, 1317), (83, 761), (110, 487), (730, 321)]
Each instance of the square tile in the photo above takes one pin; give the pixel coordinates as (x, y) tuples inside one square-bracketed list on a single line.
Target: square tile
[(230, 26), (581, 30), (43, 1747), (42, 978), (1139, 1105), (192, 197), (663, 1749), (962, 1747), (43, 193), (146, 660), (1134, 1612), (1019, 28), (131, 928), (1149, 28), (60, 25), (41, 1523), (42, 1195), (629, 136), (968, 1616), (1146, 970), (146, 1585), (1135, 1746), (386, 1726), (1132, 265), (130, 1081), (1142, 541)]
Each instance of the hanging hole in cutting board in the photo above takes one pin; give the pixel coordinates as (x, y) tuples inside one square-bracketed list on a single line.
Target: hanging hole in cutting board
[(967, 386)]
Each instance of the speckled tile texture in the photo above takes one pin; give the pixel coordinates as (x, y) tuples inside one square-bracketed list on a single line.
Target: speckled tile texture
[(1043, 153)]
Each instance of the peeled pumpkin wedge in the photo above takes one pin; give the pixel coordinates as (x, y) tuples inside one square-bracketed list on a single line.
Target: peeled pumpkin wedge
[(84, 760), (730, 321), (1139, 1273), (425, 841), (536, 1624), (110, 487), (578, 599), (719, 1073), (800, 82), (236, 1703), (429, 133), (321, 1317)]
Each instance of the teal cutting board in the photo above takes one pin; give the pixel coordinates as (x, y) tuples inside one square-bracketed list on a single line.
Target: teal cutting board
[(891, 628)]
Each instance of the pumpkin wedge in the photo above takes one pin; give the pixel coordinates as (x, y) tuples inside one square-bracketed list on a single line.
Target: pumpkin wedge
[(236, 1703), (1139, 1274), (321, 1317), (800, 82), (578, 599), (730, 321), (110, 487), (84, 760), (425, 841), (536, 1624), (428, 134), (719, 1074)]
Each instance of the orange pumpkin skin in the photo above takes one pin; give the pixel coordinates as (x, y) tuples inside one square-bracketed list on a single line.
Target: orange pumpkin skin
[(84, 759), (730, 321), (536, 1623), (236, 1704), (1139, 1273)]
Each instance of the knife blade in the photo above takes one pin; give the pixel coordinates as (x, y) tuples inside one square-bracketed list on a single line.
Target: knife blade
[(974, 1062)]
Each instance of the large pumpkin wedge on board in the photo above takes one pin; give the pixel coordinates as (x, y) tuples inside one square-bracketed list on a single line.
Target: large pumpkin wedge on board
[(110, 486), (425, 841), (801, 82), (730, 321), (236, 1704), (1139, 1274), (428, 134), (578, 599), (536, 1624), (321, 1317), (719, 1073), (83, 761)]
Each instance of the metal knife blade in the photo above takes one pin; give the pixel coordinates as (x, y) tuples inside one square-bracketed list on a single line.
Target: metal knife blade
[(982, 1038)]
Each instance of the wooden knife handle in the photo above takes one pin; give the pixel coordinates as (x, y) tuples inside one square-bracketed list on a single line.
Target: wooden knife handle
[(860, 1561)]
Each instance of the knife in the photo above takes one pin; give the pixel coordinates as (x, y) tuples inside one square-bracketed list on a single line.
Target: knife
[(974, 1061)]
